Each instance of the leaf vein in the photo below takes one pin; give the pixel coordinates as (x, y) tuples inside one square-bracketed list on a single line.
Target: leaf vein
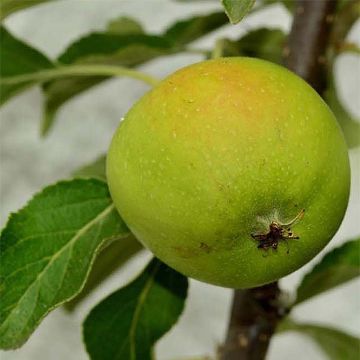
[(138, 308), (81, 232)]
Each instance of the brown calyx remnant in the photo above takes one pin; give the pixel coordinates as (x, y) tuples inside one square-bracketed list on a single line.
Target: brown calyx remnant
[(277, 232)]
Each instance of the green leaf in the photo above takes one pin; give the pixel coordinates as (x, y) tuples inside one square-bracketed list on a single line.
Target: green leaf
[(337, 267), (47, 250), (94, 170), (8, 7), (347, 14), (108, 260), (186, 31), (113, 256), (237, 9), (336, 344), (58, 92), (83, 70), (349, 126), (99, 48), (17, 58), (133, 318), (125, 50), (260, 43), (124, 25), (96, 48)]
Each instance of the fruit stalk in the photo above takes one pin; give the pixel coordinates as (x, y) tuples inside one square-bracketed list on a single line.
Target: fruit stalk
[(256, 312)]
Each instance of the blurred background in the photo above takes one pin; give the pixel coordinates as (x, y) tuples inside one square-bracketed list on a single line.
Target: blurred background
[(83, 131)]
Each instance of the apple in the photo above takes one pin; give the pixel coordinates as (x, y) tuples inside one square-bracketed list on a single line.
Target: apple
[(232, 171)]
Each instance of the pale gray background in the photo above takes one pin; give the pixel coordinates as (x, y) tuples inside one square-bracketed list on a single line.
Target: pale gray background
[(83, 131)]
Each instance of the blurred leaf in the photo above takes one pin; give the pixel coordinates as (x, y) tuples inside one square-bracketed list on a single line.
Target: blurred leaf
[(17, 58), (125, 50), (337, 267), (8, 7), (186, 31), (77, 70), (57, 92), (348, 13), (349, 126), (106, 263), (260, 43), (99, 48), (95, 169), (336, 344), (237, 9), (342, 3), (96, 48), (260, 4), (133, 318), (124, 25), (47, 250)]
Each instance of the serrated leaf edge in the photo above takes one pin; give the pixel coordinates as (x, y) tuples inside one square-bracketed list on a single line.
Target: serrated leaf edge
[(97, 250)]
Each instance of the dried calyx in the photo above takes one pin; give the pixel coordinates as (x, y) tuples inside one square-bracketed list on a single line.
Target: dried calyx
[(277, 231)]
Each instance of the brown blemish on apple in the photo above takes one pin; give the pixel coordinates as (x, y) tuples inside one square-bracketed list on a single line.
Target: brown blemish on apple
[(205, 247), (190, 252)]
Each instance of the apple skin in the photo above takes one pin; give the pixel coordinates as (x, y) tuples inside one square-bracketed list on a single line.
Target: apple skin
[(216, 147)]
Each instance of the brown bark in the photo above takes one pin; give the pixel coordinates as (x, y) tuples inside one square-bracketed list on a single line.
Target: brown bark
[(308, 41), (254, 316), (256, 312)]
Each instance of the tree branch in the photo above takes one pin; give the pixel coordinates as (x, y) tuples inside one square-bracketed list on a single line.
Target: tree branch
[(256, 312), (308, 41), (254, 316)]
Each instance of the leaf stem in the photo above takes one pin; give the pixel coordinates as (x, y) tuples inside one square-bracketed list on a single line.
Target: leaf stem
[(218, 49), (348, 47), (79, 70)]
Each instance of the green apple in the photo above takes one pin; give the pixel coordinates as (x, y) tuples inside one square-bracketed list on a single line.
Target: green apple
[(232, 171)]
